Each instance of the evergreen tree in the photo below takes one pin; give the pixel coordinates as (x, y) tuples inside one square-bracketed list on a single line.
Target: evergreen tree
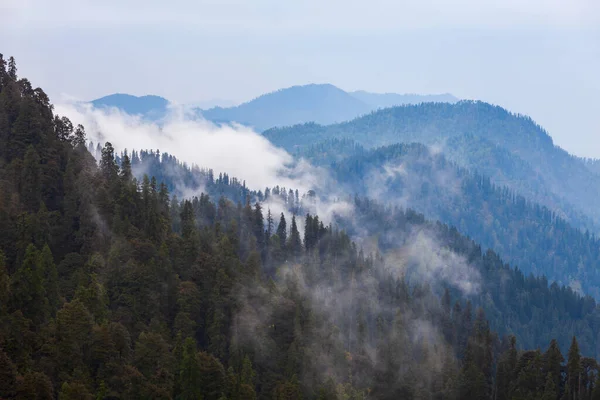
[(27, 287), (574, 370), (294, 242), (282, 231), (31, 180), (553, 360), (50, 278), (189, 372)]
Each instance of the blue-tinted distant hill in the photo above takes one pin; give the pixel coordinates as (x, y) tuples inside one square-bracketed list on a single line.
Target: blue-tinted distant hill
[(384, 100), (320, 103), (510, 148), (150, 107), (324, 104)]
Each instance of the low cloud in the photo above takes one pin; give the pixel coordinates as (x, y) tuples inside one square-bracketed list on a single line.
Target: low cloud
[(234, 149)]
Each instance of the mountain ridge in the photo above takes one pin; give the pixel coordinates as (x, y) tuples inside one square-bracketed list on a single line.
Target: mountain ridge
[(314, 102), (441, 125)]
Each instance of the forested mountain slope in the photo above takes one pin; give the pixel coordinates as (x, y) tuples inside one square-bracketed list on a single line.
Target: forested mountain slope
[(471, 133), (527, 234), (390, 228), (110, 289)]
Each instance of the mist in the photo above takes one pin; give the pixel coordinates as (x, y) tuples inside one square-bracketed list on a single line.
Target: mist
[(233, 149)]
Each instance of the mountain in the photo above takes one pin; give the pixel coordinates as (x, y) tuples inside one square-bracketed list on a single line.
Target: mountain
[(540, 240), (385, 100), (110, 288), (150, 107), (320, 103), (524, 233), (510, 148), (297, 104)]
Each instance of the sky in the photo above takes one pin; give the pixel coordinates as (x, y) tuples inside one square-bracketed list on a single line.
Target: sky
[(534, 57)]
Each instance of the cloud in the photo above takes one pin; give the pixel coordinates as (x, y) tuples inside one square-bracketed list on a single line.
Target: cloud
[(233, 149)]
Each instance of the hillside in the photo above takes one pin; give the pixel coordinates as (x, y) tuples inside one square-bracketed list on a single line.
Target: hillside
[(112, 289), (524, 156), (524, 233)]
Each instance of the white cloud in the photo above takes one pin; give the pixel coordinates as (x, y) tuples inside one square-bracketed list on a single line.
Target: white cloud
[(236, 150)]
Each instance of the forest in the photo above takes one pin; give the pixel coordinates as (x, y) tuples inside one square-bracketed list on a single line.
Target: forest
[(511, 149), (111, 288)]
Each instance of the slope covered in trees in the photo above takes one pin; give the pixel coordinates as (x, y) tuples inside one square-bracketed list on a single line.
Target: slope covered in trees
[(110, 289), (527, 234), (523, 156)]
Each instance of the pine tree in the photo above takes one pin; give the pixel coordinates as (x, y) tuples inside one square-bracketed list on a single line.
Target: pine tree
[(108, 164), (27, 287), (282, 231), (553, 360), (269, 225), (189, 372), (574, 369), (50, 278), (78, 140), (31, 188), (12, 68), (294, 242)]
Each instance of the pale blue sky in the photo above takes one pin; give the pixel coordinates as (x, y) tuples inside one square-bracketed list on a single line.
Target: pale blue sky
[(536, 57)]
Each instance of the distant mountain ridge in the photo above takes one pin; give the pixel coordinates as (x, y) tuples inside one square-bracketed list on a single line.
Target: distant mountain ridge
[(319, 103), (149, 106), (510, 148)]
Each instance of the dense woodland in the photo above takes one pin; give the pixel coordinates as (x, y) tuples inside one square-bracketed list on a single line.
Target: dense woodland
[(528, 235), (111, 289), (515, 303), (509, 148)]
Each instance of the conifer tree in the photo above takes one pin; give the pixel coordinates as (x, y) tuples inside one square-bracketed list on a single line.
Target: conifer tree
[(189, 372), (282, 231), (553, 360), (50, 278), (294, 242), (27, 287), (574, 370), (31, 180)]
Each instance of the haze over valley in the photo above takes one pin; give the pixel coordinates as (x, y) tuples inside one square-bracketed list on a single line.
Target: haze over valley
[(190, 211)]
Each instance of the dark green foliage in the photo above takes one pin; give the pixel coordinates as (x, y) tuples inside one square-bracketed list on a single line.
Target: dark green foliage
[(189, 372), (8, 376), (113, 290)]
